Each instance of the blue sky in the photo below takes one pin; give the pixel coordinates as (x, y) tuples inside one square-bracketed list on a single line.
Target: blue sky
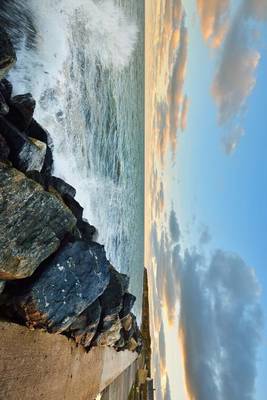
[(228, 194), (209, 188)]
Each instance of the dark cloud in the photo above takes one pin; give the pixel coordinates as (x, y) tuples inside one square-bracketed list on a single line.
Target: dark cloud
[(220, 317), (220, 325)]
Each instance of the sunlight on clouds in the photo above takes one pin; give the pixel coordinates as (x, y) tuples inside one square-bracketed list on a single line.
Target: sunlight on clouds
[(214, 16), (239, 58)]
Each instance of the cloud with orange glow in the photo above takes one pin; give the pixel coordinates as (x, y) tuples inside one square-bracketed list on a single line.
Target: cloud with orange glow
[(214, 17), (236, 44), (170, 102)]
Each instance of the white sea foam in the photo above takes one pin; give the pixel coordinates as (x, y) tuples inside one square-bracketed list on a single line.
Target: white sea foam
[(109, 38), (76, 41)]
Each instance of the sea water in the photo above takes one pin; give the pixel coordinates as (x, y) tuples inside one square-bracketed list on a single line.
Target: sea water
[(83, 61)]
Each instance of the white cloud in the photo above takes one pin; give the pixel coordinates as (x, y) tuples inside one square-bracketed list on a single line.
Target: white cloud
[(235, 78)]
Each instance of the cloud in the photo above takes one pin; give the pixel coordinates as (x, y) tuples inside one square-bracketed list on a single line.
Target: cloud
[(162, 349), (184, 113), (170, 102), (176, 84), (231, 141), (220, 316), (167, 394), (214, 16), (235, 78), (166, 254), (174, 227), (220, 325), (205, 236)]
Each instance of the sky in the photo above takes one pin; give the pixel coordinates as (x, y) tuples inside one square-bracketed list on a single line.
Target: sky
[(206, 196)]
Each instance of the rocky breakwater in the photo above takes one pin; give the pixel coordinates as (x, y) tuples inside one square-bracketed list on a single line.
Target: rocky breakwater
[(53, 275)]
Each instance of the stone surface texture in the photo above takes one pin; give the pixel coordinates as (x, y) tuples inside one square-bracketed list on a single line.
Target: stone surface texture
[(32, 223)]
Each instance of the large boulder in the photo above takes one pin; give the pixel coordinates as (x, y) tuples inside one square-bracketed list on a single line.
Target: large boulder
[(86, 230), (6, 89), (36, 131), (32, 155), (2, 286), (21, 109), (4, 149), (112, 299), (63, 287), (25, 153), (32, 224), (127, 305), (84, 328), (7, 53), (60, 185), (4, 109), (110, 336)]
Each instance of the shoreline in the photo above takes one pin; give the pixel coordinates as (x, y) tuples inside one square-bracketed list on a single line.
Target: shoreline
[(49, 255)]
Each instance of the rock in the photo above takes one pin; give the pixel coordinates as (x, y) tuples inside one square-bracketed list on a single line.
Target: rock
[(61, 186), (120, 343), (21, 111), (48, 162), (4, 149), (128, 302), (6, 89), (86, 230), (112, 299), (32, 224), (4, 109), (7, 53), (2, 286), (37, 177), (74, 206), (110, 336), (25, 153), (63, 287), (32, 155), (84, 328), (36, 131), (127, 322), (131, 345)]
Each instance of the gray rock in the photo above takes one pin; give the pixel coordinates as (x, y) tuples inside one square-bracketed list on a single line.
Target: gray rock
[(32, 224), (110, 336), (7, 54), (112, 299), (25, 153), (84, 328), (21, 111), (4, 149), (2, 286), (4, 109), (32, 155), (63, 287), (128, 303)]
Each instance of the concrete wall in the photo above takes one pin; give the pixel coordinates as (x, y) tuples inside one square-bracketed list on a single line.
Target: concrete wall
[(36, 365)]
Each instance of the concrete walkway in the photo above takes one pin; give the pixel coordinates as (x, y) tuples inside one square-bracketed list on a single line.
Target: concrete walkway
[(36, 365)]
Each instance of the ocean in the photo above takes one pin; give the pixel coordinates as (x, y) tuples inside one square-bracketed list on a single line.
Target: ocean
[(83, 62)]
